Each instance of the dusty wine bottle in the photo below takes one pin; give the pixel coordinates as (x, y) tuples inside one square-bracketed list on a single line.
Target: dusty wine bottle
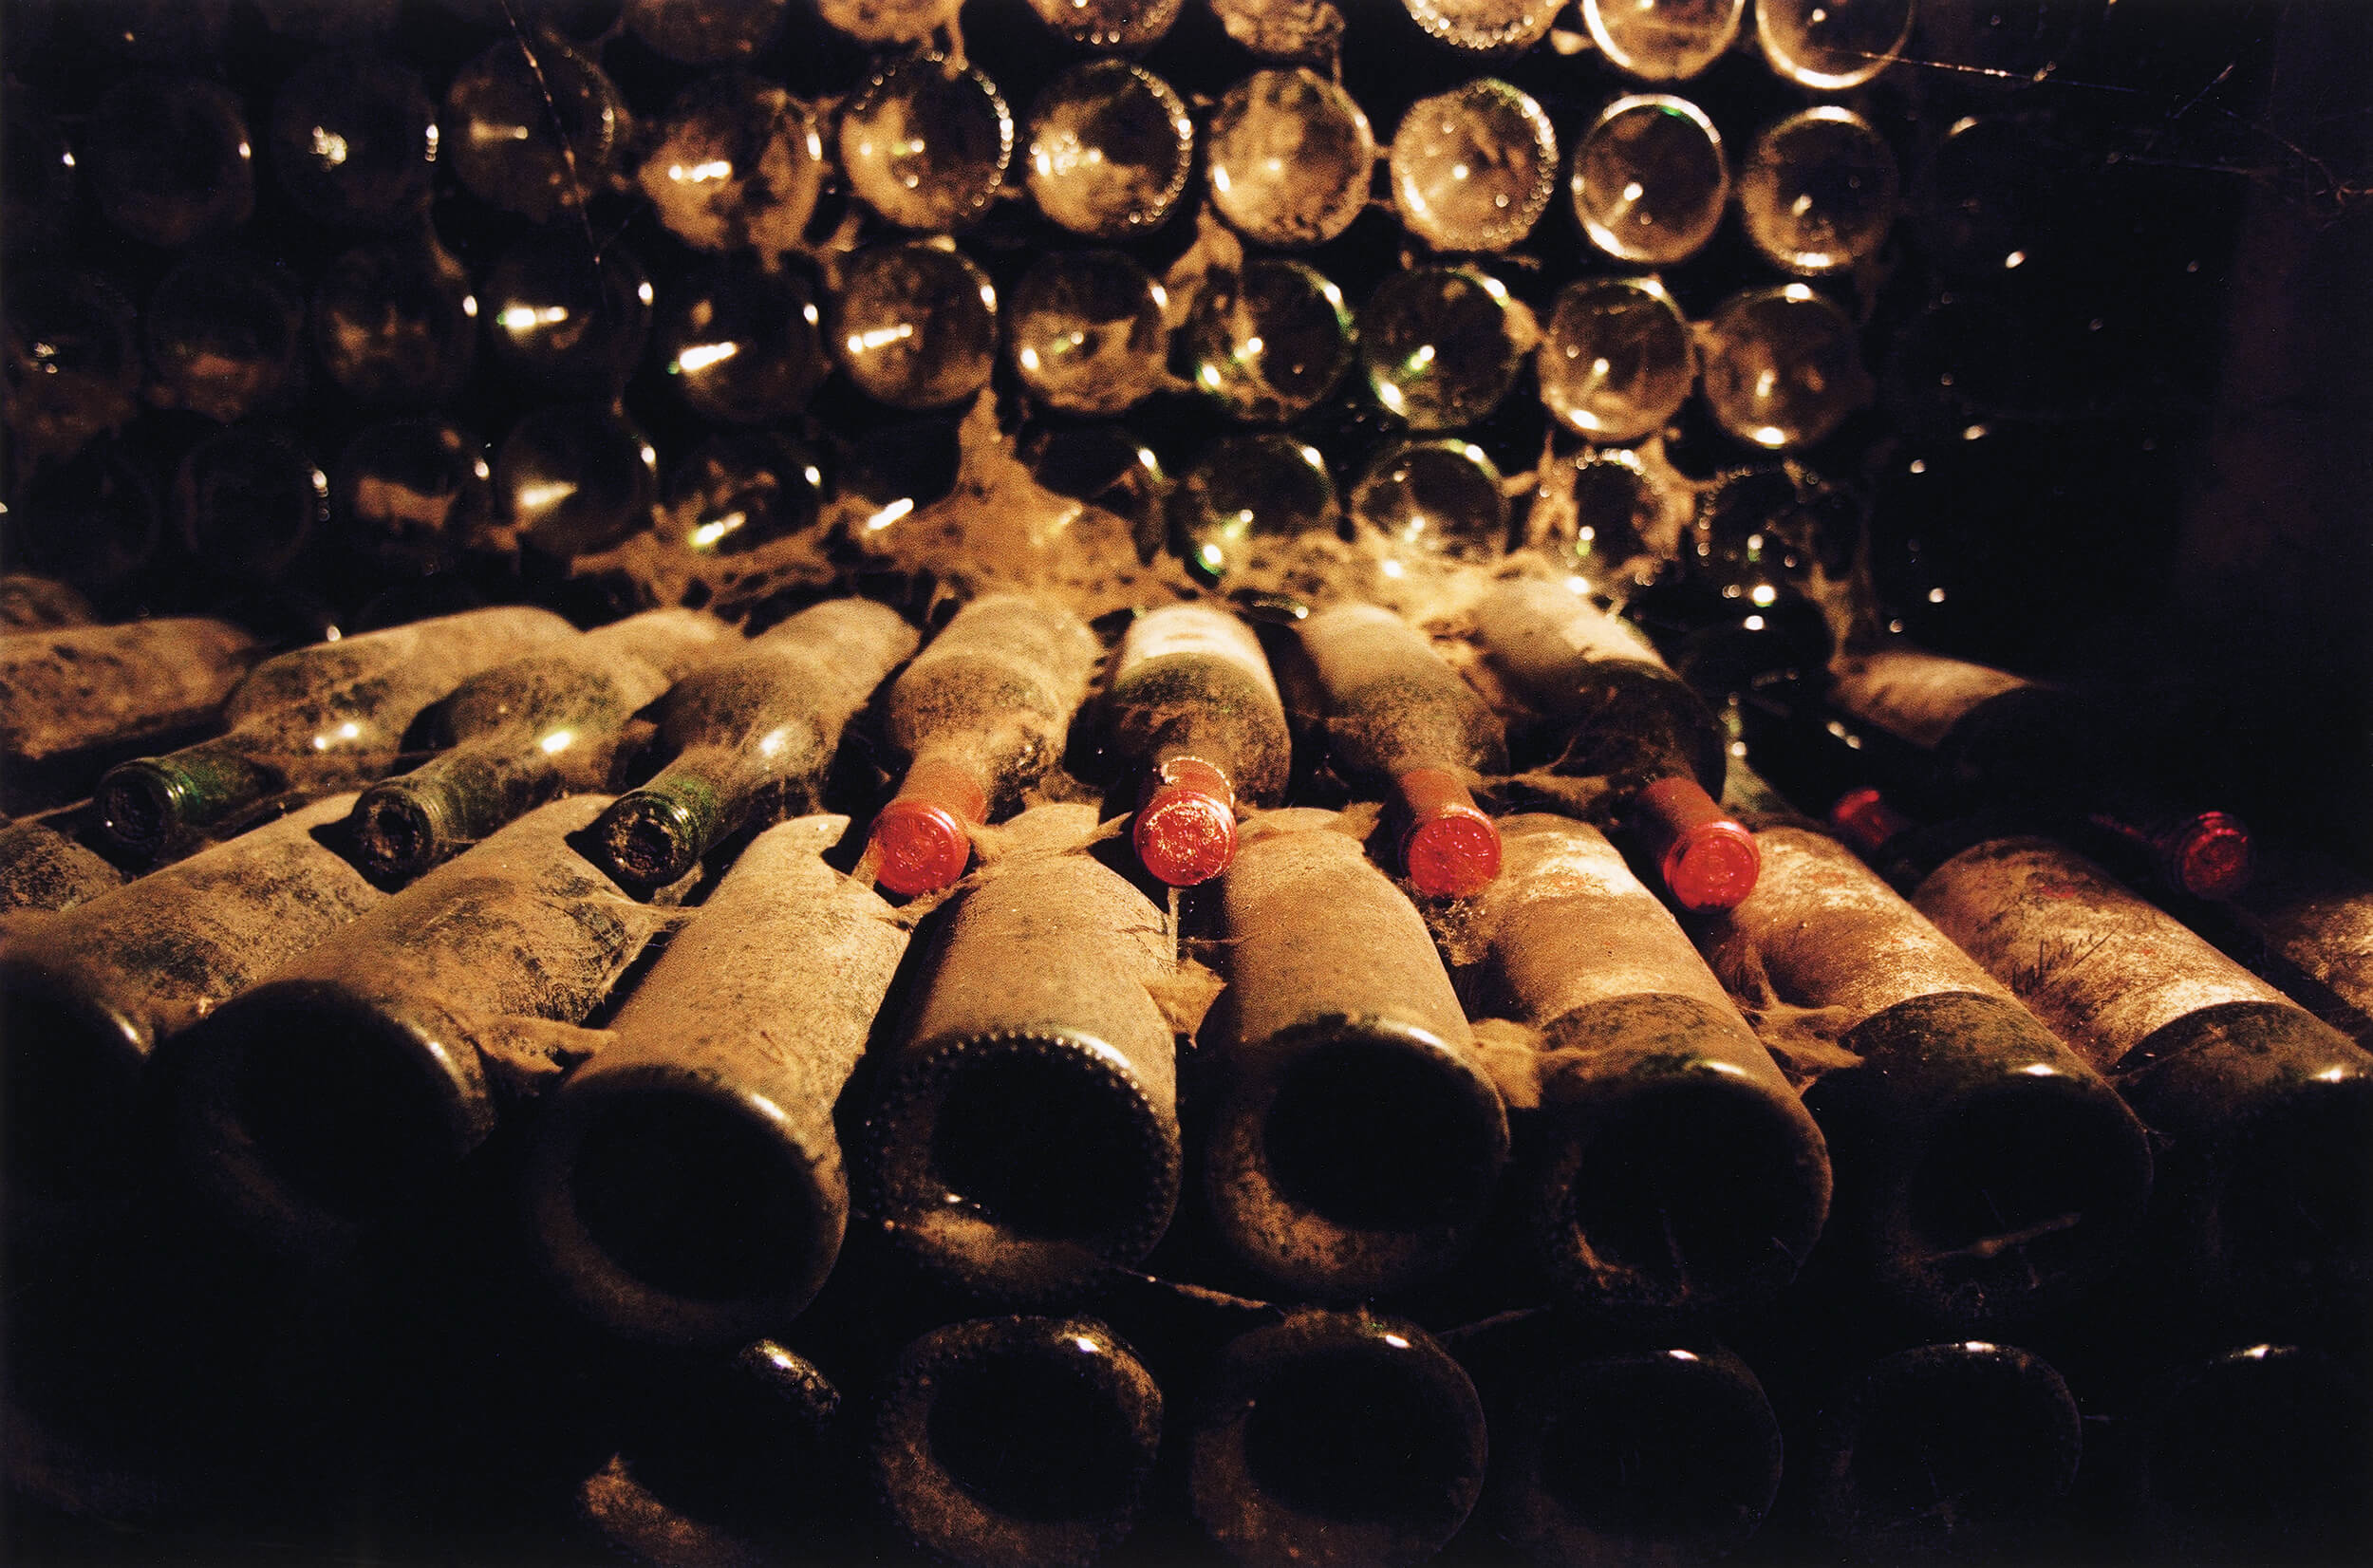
[(978, 717), (545, 724), (2265, 1114), (1986, 1174), (751, 736), (333, 1094), (686, 1183), (86, 995), (1006, 1441), (1357, 1140), (1632, 721), (313, 720), (1400, 718), (45, 869), (40, 604), (77, 692), (1673, 1168), (1336, 1440), (1193, 706), (1943, 1448), (1631, 1453), (2312, 922), (1995, 736), (1024, 1134)]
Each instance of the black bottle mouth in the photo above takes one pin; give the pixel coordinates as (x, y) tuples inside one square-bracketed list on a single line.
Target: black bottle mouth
[(648, 840), (1017, 1439), (399, 832), (1020, 1164), (1682, 1193), (139, 806), (1355, 1157), (673, 1209), (1665, 1448), (1336, 1439)]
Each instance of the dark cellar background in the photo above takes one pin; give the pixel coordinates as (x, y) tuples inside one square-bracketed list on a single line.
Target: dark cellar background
[(2144, 457)]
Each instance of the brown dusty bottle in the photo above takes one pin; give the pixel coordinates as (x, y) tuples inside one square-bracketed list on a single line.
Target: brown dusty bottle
[(1986, 1174), (1194, 709), (1400, 719), (43, 870), (1942, 1450), (317, 718), (75, 691), (547, 724), (1995, 738), (1644, 1452), (750, 738), (687, 1184), (335, 1092), (1336, 1440), (1673, 1168), (1024, 1132), (1015, 1441), (1628, 718), (979, 717), (2264, 1114), (40, 604), (1357, 1141), (86, 995), (2312, 924)]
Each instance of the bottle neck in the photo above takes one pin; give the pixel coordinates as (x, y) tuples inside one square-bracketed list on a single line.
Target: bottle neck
[(654, 835), (143, 805), (407, 825)]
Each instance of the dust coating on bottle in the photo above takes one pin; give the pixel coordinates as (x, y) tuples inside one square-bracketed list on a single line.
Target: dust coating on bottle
[(1024, 1134), (1914, 695), (686, 1185), (1006, 1440), (1943, 1447), (1357, 1142), (880, 22), (43, 870), (514, 736), (86, 995), (706, 33), (751, 736), (333, 1095), (1675, 1169), (28, 603), (1333, 1439), (1289, 156), (1636, 1455), (2320, 918), (85, 689), (1819, 191), (313, 720), (1292, 31)]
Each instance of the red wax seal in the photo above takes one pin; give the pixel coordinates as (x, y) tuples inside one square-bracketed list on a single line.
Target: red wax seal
[(1184, 835), (2210, 856), (918, 847), (1453, 855), (1712, 866)]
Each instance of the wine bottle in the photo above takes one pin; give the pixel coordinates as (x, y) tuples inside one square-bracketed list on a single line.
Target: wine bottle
[(513, 737), (927, 143), (536, 129), (1355, 1140), (411, 496), (1246, 493), (1663, 40), (226, 335), (1650, 179), (1627, 1451), (1439, 345), (1616, 360), (1819, 191), (1336, 1440), (1400, 719), (169, 160), (73, 364), (310, 721), (1023, 1134), (2312, 926), (1109, 148), (706, 33), (395, 322), (1673, 1168), (565, 318), (1004, 1441), (1986, 1174), (334, 1094), (577, 478), (43, 869), (84, 691), (1942, 1448), (686, 1185), (1999, 737), (354, 141), (1472, 169), (247, 502), (738, 164), (2264, 1114), (88, 994), (915, 326), (1085, 331), (1632, 721), (751, 736), (1194, 710), (1289, 158), (1269, 341), (977, 719), (1782, 367)]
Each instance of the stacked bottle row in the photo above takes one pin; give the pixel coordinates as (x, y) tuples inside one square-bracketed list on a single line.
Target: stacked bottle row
[(1529, 1087)]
